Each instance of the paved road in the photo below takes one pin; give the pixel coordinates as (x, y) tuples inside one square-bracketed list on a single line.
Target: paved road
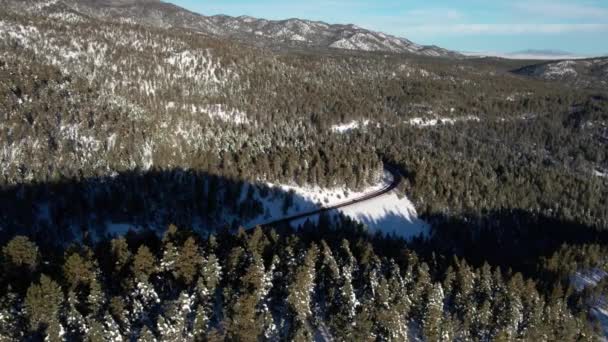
[(396, 180)]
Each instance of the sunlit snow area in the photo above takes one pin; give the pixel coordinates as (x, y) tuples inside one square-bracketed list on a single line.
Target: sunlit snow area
[(347, 127), (387, 213)]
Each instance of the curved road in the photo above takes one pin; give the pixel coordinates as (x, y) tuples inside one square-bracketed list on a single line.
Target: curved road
[(396, 180)]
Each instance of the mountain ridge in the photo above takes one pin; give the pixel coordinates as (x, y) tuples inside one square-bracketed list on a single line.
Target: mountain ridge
[(276, 34)]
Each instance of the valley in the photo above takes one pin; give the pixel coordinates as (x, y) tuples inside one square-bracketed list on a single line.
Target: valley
[(173, 176)]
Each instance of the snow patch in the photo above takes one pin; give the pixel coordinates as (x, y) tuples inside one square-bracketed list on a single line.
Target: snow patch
[(343, 128), (429, 122), (223, 113), (600, 174), (388, 213)]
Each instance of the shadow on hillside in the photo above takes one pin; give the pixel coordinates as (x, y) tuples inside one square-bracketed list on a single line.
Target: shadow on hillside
[(513, 238), (54, 214), (95, 208)]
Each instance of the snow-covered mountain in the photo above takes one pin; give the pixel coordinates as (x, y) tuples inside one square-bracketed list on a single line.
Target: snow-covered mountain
[(586, 73), (291, 33)]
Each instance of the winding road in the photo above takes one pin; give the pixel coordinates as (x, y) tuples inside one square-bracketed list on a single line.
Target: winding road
[(394, 184)]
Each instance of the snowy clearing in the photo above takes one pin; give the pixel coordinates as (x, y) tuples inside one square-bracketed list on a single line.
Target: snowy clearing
[(222, 113), (347, 127), (430, 122), (600, 174), (387, 213)]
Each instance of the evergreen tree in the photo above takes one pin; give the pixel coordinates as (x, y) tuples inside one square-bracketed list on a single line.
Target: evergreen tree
[(188, 261), (433, 314), (299, 297), (42, 305), (144, 264)]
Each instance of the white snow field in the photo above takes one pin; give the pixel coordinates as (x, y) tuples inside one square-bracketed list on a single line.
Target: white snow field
[(388, 213), (347, 127)]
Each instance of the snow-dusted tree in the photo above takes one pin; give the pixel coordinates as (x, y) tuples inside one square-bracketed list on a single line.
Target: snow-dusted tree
[(169, 259), (463, 288), (482, 322), (10, 329), (188, 262), (206, 286), (96, 297), (76, 323), (419, 289), (363, 328), (532, 326), (389, 323), (433, 314), (144, 303), (145, 335), (299, 297), (270, 329), (110, 329), (344, 303), (176, 322), (400, 299), (511, 316)]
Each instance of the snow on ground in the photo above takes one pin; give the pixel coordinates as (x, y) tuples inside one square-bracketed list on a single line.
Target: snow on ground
[(590, 278), (564, 68), (599, 308), (388, 213), (343, 128), (429, 122), (600, 174), (223, 113)]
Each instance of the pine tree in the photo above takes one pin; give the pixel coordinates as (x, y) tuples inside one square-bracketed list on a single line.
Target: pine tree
[(299, 297), (363, 329), (433, 314), (77, 270), (42, 304), (76, 324), (120, 254), (205, 289), (20, 261), (389, 326), (21, 252), (144, 264), (146, 335), (188, 261), (245, 323)]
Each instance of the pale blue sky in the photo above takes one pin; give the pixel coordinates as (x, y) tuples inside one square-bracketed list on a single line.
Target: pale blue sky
[(577, 26)]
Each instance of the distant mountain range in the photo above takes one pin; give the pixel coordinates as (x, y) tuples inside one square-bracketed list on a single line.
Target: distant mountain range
[(534, 54), (291, 33)]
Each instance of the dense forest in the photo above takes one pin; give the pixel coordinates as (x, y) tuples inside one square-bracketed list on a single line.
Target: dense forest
[(271, 286), (107, 121)]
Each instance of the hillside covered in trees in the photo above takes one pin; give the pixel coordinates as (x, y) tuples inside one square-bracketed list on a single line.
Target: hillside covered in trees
[(106, 122)]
